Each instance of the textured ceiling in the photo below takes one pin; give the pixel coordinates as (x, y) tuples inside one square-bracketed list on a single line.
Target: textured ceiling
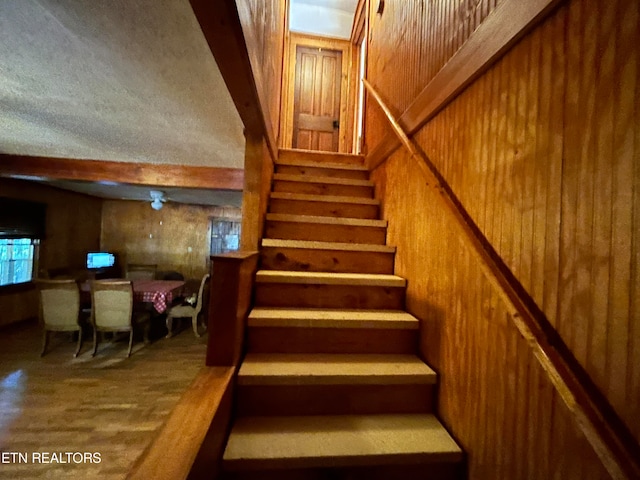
[(119, 80)]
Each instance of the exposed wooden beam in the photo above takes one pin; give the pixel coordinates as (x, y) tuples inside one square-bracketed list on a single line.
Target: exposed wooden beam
[(222, 28), (507, 24), (122, 172)]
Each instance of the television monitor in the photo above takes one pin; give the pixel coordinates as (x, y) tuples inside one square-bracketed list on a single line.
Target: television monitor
[(100, 260)]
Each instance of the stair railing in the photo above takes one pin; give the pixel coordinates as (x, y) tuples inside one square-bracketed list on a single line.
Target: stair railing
[(609, 437)]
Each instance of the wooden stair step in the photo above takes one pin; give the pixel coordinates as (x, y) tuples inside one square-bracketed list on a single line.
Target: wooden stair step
[(280, 288), (322, 228), (292, 154), (300, 255), (338, 246), (333, 369), (323, 278), (320, 179), (322, 185), (299, 442), (323, 205), (332, 384), (322, 330), (321, 169), (332, 318)]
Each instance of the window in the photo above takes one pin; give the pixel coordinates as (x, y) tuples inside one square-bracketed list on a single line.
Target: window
[(225, 236), (22, 225), (17, 258)]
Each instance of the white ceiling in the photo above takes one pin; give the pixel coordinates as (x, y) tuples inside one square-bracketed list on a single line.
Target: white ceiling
[(125, 81), (331, 18)]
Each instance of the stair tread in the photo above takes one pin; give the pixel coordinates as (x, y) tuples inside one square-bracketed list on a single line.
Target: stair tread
[(327, 165), (331, 318), (324, 180), (320, 155), (334, 369), (329, 278), (338, 441), (315, 245), (355, 222), (324, 198)]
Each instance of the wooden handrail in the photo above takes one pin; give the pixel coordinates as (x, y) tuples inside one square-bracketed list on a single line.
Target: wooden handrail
[(611, 440)]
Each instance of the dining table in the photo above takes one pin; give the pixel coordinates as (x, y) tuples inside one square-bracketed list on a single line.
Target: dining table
[(159, 294)]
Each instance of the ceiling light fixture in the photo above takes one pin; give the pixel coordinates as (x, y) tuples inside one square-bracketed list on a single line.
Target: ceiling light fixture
[(157, 199)]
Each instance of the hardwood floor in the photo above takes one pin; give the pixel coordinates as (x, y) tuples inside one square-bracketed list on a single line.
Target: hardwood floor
[(108, 406)]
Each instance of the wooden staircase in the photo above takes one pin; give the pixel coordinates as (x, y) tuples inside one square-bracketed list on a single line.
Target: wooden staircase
[(331, 386)]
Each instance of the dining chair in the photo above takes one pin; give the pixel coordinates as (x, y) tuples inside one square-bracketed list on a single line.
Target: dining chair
[(191, 311), (112, 311), (140, 271), (59, 309)]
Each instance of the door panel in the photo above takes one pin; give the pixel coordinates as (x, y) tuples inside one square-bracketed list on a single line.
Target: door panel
[(317, 99)]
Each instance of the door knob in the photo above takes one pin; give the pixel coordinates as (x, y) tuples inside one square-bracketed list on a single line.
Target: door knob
[(336, 124)]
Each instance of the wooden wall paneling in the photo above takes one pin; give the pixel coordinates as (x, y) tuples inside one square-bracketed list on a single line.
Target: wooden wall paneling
[(177, 237), (585, 205), (264, 27), (539, 109), (634, 349), (512, 19), (633, 375), (556, 71), (67, 241), (601, 360), (511, 180), (619, 112), (557, 129)]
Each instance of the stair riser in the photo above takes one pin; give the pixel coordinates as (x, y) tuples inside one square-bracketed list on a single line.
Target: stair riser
[(325, 233), (310, 260), (430, 471), (326, 157), (333, 399), (323, 209), (331, 340), (328, 296), (323, 189), (322, 172)]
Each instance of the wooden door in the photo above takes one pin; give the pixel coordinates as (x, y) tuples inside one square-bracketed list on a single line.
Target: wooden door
[(316, 110)]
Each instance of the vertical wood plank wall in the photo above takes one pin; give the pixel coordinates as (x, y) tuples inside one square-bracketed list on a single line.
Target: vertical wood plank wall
[(177, 237), (543, 151), (412, 41), (264, 25), (264, 29), (72, 230)]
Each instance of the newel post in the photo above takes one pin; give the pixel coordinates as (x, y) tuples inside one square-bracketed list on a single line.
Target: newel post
[(231, 286)]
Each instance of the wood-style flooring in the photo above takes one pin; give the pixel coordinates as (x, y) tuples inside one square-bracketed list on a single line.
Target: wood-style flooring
[(108, 405)]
